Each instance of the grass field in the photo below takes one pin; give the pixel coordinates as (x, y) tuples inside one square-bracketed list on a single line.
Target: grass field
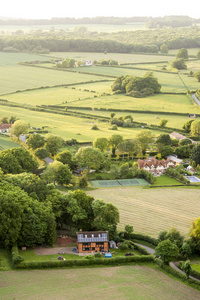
[(153, 210), (66, 126), (7, 143), (120, 57), (126, 282), (173, 121), (158, 102), (166, 180)]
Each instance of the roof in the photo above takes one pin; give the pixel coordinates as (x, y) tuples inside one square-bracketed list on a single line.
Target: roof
[(178, 136), (175, 159), (48, 160), (5, 126), (152, 162), (92, 236)]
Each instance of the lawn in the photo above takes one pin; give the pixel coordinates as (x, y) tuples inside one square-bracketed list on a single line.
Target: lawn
[(122, 282), (29, 255), (166, 180), (5, 262), (7, 143), (150, 211)]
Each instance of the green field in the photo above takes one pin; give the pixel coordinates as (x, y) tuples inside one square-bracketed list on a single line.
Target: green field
[(158, 102), (153, 210), (68, 127), (126, 282), (120, 57), (7, 143)]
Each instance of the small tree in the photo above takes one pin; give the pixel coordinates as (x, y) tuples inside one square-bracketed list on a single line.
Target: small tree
[(197, 76), (167, 251), (163, 123), (128, 229), (19, 127), (182, 53), (187, 268)]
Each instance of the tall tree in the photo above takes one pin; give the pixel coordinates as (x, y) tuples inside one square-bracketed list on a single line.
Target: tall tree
[(195, 128), (35, 141), (167, 251), (114, 141), (144, 138), (101, 144), (53, 144), (19, 127), (90, 158)]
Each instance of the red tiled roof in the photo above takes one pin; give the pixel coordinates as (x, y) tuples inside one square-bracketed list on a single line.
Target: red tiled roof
[(5, 126)]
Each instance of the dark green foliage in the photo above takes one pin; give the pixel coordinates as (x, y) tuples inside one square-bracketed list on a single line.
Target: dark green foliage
[(146, 238), (126, 245), (86, 262), (182, 53), (185, 142), (23, 220), (176, 174), (179, 64), (195, 154), (137, 86), (83, 181), (41, 153), (183, 151), (187, 125), (15, 257), (167, 251), (35, 141), (53, 144), (17, 160)]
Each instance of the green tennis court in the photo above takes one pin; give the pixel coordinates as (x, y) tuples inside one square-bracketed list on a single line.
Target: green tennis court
[(118, 183)]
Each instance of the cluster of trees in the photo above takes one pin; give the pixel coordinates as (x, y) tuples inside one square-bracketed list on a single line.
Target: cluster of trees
[(31, 210), (108, 62), (136, 86), (8, 120), (173, 245), (66, 63), (170, 21), (179, 62)]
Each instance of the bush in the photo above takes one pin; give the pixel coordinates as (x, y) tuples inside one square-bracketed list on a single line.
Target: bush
[(95, 127), (98, 255), (15, 257)]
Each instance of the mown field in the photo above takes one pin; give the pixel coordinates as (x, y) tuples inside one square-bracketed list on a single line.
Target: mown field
[(153, 210), (7, 143), (126, 282)]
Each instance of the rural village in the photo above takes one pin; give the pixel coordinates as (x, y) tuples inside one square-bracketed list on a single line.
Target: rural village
[(100, 157)]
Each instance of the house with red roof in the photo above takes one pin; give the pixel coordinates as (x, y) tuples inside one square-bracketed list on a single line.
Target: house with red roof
[(154, 166), (4, 128)]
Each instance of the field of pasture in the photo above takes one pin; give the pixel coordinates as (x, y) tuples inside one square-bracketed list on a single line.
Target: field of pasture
[(122, 282), (157, 102), (151, 211), (68, 127)]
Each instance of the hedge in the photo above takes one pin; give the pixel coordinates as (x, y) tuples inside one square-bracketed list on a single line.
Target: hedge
[(85, 262), (145, 238), (15, 257)]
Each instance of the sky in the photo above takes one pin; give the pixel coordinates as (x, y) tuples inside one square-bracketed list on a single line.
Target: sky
[(47, 9)]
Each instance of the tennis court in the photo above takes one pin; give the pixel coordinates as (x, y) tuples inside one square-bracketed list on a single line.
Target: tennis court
[(118, 183)]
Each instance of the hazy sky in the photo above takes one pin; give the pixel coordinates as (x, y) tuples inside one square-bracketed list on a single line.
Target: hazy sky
[(37, 9)]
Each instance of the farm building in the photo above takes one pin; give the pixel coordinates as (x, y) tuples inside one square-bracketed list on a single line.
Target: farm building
[(179, 137), (155, 166), (177, 161), (4, 128), (92, 241)]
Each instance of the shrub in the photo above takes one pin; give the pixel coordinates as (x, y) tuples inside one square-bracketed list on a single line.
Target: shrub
[(95, 127), (15, 257)]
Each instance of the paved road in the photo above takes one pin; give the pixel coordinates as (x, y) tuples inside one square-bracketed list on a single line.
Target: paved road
[(151, 251), (195, 99)]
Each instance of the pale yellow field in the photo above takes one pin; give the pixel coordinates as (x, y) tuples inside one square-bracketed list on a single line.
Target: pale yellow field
[(153, 210)]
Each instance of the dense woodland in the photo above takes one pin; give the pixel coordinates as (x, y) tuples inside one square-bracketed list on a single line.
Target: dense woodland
[(175, 32)]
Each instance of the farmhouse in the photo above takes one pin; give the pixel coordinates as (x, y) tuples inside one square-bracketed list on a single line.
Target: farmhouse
[(155, 166), (4, 128), (92, 241)]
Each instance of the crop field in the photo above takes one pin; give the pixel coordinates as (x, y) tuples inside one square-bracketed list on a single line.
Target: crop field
[(122, 282), (150, 211)]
